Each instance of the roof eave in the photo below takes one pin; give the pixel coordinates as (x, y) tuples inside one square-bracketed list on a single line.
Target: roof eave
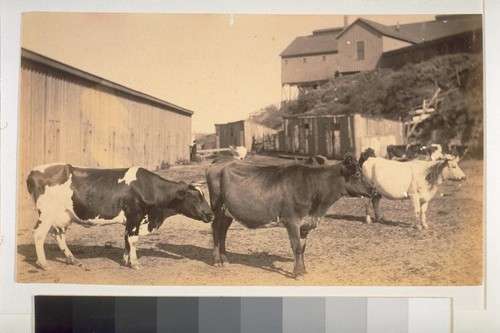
[(36, 57)]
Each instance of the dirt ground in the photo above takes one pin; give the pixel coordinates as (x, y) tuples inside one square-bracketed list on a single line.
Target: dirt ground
[(342, 251)]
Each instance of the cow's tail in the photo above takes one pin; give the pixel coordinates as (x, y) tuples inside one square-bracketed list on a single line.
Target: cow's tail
[(31, 184)]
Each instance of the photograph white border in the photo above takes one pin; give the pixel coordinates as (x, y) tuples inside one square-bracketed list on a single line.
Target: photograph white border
[(474, 307)]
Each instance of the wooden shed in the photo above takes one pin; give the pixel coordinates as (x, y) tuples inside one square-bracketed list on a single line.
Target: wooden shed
[(68, 115), (334, 135), (245, 133)]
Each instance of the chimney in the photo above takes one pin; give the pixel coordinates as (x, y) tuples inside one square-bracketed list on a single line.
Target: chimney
[(346, 21), (397, 26)]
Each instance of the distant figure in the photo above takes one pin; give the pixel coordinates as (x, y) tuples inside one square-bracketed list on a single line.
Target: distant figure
[(192, 150)]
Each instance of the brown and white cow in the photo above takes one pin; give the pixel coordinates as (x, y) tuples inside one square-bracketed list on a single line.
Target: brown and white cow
[(135, 197)]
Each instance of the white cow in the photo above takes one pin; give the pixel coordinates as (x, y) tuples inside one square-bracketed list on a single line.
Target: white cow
[(239, 152), (415, 180)]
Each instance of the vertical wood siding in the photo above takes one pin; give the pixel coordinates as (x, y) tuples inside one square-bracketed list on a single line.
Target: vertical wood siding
[(64, 118), (315, 68), (241, 133), (334, 136), (348, 61)]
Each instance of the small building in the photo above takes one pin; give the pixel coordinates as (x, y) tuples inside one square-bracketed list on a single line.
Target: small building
[(245, 133), (335, 135), (68, 115)]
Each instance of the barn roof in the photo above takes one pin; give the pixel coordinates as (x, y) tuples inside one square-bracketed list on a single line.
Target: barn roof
[(443, 26), (326, 40), (385, 30), (320, 42), (246, 121), (38, 58)]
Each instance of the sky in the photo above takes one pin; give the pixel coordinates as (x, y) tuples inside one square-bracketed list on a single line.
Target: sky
[(223, 67)]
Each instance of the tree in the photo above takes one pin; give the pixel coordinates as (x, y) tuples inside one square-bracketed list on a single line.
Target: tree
[(269, 116)]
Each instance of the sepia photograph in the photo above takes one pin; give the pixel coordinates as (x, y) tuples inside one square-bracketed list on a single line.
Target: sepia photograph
[(163, 149)]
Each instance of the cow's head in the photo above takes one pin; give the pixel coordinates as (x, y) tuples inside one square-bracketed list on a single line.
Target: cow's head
[(445, 170), (356, 185), (369, 152), (192, 203)]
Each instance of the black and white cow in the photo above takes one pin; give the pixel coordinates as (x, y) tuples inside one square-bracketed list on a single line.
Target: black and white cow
[(135, 197)]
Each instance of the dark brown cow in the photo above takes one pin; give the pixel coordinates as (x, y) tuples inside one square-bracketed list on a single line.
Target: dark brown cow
[(295, 194), (135, 197)]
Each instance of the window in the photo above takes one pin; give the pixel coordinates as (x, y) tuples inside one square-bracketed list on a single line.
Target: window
[(360, 50), (304, 60), (286, 61), (324, 58)]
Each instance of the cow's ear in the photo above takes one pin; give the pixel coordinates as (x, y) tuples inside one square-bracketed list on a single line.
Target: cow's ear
[(348, 160), (181, 191)]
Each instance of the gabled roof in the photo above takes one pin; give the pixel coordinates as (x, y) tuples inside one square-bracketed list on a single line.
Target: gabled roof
[(320, 42), (385, 30), (326, 40)]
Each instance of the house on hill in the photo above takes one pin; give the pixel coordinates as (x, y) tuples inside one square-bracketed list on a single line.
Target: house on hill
[(365, 45)]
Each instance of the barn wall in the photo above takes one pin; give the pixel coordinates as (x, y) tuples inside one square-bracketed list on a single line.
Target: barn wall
[(377, 134), (347, 48), (64, 118), (334, 136), (231, 134), (241, 133), (313, 135), (309, 68)]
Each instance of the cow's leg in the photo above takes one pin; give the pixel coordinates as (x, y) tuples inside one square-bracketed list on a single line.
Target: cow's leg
[(220, 225), (40, 231), (298, 244), (59, 235), (130, 255), (126, 254), (132, 229), (368, 219), (423, 211), (376, 204), (415, 200)]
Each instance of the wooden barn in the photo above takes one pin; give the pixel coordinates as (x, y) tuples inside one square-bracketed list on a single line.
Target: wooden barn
[(365, 45), (67, 115), (245, 133), (335, 135)]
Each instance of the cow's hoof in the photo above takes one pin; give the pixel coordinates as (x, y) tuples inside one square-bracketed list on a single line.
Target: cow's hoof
[(73, 261), (300, 277), (45, 266), (136, 266), (221, 264)]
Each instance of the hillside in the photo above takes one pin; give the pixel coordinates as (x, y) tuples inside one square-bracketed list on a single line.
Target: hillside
[(394, 93)]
